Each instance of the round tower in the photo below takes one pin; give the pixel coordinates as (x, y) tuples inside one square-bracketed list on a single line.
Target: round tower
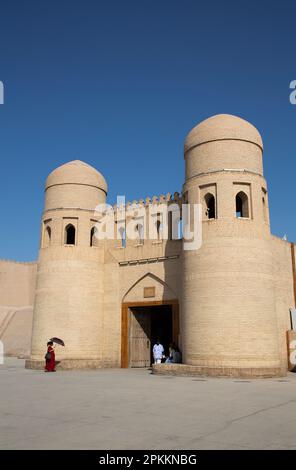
[(229, 324), (69, 291)]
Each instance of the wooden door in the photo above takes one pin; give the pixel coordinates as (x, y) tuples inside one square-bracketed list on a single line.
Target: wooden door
[(139, 338)]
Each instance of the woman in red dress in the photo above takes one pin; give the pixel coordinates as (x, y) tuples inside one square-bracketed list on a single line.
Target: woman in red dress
[(50, 363)]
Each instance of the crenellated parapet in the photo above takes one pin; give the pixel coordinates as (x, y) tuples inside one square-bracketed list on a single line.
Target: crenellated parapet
[(169, 198)]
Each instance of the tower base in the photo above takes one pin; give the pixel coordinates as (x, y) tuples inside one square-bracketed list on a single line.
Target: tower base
[(66, 364), (239, 372)]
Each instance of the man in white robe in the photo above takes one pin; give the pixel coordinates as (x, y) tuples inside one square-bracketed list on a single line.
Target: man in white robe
[(158, 352)]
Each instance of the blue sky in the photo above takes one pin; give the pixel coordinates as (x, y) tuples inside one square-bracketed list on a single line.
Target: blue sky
[(119, 84)]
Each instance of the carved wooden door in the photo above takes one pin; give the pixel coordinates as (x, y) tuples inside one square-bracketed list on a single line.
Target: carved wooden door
[(139, 338)]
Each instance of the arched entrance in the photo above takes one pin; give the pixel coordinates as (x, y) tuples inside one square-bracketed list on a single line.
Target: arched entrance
[(144, 322)]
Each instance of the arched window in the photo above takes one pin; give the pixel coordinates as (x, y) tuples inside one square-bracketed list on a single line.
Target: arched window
[(70, 235), (122, 236), (159, 229), (47, 237), (242, 205), (140, 231), (93, 237), (210, 206), (264, 209)]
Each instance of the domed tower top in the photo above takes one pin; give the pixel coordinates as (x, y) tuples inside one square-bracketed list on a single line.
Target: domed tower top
[(223, 141), (223, 127), (75, 185), (77, 172)]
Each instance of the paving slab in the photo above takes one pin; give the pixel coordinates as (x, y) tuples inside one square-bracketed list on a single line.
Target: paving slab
[(133, 409)]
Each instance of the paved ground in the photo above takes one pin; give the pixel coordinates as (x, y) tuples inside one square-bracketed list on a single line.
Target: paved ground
[(132, 409)]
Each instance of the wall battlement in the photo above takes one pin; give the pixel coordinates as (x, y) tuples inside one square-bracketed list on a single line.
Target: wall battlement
[(168, 198)]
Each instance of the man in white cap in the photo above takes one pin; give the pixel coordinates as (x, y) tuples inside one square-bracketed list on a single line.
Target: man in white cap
[(158, 351)]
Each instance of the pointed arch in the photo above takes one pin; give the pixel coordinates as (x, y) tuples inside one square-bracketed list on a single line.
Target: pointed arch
[(47, 237), (242, 205), (140, 233), (93, 238), (210, 203), (168, 292), (70, 235), (264, 206), (159, 229)]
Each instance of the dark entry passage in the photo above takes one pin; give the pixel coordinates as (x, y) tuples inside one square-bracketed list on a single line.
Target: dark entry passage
[(161, 327), (146, 325)]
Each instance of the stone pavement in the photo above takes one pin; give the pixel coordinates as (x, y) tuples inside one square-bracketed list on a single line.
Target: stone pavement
[(132, 409)]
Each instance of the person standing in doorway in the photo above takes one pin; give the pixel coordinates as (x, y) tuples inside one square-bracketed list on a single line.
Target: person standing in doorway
[(158, 351)]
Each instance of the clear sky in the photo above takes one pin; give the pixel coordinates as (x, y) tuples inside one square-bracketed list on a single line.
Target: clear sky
[(119, 84)]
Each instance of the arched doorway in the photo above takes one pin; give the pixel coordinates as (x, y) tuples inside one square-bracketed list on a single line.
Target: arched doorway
[(144, 322)]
